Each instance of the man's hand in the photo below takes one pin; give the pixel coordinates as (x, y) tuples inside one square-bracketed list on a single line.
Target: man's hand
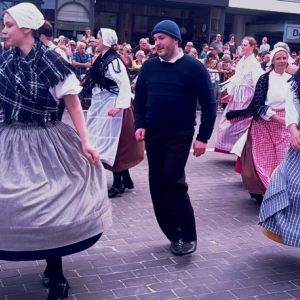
[(140, 134), (199, 148)]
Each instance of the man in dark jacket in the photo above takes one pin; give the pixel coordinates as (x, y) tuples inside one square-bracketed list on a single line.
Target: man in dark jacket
[(165, 103)]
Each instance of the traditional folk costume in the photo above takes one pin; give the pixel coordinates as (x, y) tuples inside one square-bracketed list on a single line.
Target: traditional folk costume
[(267, 141), (280, 209), (113, 137), (53, 201), (241, 89)]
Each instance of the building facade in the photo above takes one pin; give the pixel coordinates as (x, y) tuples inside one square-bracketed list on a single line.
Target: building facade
[(278, 20), (199, 20)]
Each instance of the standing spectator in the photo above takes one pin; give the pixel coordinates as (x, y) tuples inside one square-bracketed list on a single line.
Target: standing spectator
[(46, 36), (126, 57), (188, 47), (143, 45), (87, 35), (81, 60), (53, 199), (140, 58), (232, 45), (215, 79), (264, 47), (265, 61), (217, 44), (206, 61), (204, 51), (193, 52), (91, 44), (166, 96), (72, 44), (120, 49), (4, 45)]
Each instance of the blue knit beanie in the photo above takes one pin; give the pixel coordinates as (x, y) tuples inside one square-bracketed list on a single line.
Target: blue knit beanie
[(169, 28)]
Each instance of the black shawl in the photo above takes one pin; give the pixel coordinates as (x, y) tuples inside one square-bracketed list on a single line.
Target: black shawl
[(25, 83), (96, 74)]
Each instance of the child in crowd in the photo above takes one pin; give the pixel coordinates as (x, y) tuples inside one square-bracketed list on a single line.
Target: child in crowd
[(215, 79)]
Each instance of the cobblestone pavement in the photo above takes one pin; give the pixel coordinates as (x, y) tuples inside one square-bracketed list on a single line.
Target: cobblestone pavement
[(132, 261)]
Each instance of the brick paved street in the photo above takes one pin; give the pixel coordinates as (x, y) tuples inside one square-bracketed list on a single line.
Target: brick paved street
[(132, 261)]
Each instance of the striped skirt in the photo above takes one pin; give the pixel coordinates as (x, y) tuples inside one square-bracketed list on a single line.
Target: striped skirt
[(280, 210)]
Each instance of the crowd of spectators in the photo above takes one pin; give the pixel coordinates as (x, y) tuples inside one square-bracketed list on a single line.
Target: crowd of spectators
[(219, 59)]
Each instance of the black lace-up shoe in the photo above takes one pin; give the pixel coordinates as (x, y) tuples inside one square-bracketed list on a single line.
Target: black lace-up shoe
[(188, 247), (176, 247)]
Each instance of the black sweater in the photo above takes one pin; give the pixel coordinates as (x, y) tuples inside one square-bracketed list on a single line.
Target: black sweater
[(166, 97)]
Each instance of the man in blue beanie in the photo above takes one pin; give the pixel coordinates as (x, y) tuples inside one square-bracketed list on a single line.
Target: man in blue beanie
[(166, 95)]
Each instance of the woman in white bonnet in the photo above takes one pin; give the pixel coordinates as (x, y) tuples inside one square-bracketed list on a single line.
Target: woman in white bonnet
[(110, 118), (268, 139), (53, 195)]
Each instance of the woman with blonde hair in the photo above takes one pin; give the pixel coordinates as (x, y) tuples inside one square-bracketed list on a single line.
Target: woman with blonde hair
[(268, 139)]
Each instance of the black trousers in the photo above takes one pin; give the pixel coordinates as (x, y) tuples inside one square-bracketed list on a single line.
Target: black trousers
[(167, 154)]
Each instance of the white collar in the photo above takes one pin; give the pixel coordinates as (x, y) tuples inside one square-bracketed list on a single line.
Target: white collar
[(173, 60)]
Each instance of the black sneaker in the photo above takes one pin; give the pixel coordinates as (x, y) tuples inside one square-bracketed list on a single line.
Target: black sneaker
[(176, 247), (188, 247)]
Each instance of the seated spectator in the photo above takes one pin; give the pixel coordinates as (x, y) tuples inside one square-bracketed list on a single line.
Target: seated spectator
[(140, 58), (81, 60), (126, 57)]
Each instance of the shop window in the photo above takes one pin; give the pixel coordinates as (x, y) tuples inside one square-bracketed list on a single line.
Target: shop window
[(73, 13), (105, 20)]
